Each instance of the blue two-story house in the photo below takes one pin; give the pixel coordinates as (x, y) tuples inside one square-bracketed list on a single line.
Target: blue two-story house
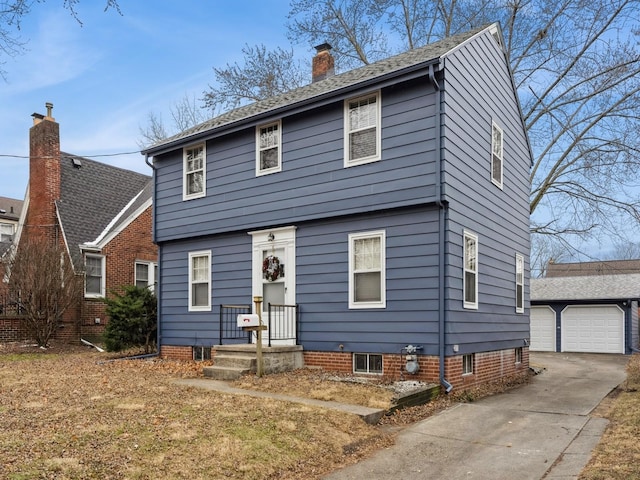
[(383, 213)]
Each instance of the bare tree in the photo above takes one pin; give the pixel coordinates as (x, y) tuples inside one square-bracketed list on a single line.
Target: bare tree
[(12, 13), (42, 280), (576, 64), (185, 113), (264, 74)]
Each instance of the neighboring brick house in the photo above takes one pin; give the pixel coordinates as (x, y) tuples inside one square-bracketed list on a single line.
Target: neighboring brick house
[(102, 215), (599, 267)]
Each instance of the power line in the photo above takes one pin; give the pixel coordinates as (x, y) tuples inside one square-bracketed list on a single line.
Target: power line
[(137, 152)]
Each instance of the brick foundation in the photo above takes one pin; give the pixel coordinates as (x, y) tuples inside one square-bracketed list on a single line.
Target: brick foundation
[(176, 352), (487, 366)]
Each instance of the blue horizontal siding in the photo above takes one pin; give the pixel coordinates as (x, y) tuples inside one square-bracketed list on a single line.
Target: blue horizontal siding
[(313, 183), (321, 284), (478, 90)]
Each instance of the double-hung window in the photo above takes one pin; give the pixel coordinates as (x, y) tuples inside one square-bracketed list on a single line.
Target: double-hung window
[(362, 129), (194, 170), (496, 154), (200, 281), (268, 148), (367, 270), (470, 284), (94, 285), (519, 283), (6, 232), (146, 275)]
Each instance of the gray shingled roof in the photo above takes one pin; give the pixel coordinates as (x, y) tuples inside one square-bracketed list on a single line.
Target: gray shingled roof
[(593, 287), (91, 196), (391, 65), (12, 208), (139, 201)]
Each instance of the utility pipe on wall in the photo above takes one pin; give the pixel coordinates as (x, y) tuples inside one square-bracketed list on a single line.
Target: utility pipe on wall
[(441, 231)]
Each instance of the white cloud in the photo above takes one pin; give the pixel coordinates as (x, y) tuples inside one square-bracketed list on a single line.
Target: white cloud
[(56, 53)]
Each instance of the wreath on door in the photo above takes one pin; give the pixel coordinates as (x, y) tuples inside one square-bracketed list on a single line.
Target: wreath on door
[(271, 268)]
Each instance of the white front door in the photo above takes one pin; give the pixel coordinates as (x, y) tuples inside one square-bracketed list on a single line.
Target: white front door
[(274, 275)]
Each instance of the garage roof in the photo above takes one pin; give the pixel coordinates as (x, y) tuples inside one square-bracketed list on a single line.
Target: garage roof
[(593, 287)]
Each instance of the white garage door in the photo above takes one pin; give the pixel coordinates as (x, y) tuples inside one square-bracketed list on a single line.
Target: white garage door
[(596, 329), (543, 329)]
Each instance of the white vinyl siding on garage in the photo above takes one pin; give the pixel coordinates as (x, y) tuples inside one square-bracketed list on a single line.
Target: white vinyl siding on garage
[(593, 329), (543, 329)]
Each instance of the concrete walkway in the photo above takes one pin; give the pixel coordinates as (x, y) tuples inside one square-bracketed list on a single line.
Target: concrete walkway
[(369, 415), (541, 430)]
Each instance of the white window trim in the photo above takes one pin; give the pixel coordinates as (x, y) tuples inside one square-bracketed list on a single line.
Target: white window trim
[(383, 288), (185, 195), (518, 355), (472, 357), (369, 371), (151, 280), (494, 126), (277, 168), (519, 273), (471, 305), (373, 158), (7, 226), (103, 281), (199, 308)]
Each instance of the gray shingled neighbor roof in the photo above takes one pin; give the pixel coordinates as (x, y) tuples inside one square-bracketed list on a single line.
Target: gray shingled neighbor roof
[(91, 195), (593, 287), (396, 64), (10, 208)]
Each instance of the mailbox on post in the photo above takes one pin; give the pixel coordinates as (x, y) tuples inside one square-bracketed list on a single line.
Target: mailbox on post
[(248, 320)]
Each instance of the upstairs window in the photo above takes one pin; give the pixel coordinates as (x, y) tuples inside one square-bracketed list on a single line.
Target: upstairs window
[(194, 172), (146, 275), (200, 281), (519, 283), (367, 270), (470, 286), (362, 130), (6, 232), (268, 148), (496, 155), (94, 285)]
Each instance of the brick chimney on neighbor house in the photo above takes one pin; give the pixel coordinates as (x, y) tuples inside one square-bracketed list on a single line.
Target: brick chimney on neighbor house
[(323, 64), (44, 174)]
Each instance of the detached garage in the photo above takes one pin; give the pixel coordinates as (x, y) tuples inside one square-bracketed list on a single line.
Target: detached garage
[(591, 314)]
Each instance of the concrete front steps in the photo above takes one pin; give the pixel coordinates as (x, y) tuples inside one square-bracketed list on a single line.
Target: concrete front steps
[(233, 361)]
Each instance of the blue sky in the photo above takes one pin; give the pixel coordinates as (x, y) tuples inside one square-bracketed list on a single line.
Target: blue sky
[(105, 76)]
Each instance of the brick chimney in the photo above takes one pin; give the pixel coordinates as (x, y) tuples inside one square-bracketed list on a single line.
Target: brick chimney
[(323, 64), (44, 174)]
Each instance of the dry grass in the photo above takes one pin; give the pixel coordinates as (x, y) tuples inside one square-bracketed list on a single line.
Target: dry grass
[(72, 416), (319, 385), (617, 456)]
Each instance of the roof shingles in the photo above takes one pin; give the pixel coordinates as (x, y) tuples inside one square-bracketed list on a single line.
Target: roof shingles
[(582, 288), (335, 83), (91, 197)]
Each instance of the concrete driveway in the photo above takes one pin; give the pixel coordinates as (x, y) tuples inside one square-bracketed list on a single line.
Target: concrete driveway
[(540, 430)]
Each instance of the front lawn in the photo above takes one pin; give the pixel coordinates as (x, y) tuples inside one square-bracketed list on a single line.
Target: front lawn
[(74, 416)]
